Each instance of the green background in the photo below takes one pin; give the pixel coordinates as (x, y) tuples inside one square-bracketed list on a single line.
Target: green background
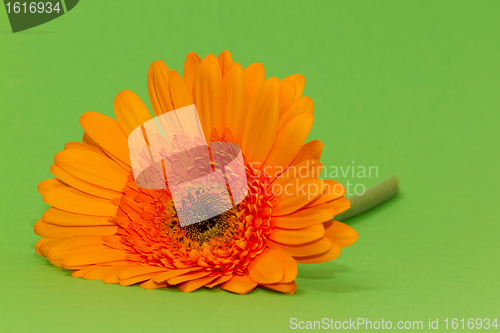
[(409, 86)]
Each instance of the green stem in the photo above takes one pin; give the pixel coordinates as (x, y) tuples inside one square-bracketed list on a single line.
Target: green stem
[(372, 197)]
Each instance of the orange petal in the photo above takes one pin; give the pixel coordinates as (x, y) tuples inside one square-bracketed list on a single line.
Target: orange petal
[(317, 247), (86, 139), (187, 277), (340, 233), (95, 272), (340, 205), (192, 285), (298, 107), (297, 236), (135, 279), (66, 219), (266, 268), (49, 184), (159, 88), (299, 81), (332, 191), (191, 65), (84, 146), (235, 100), (219, 280), (107, 133), (179, 91), (93, 255), (68, 245), (296, 194), (304, 218), (40, 242), (173, 273), (261, 122), (45, 247), (331, 254), (74, 201), (150, 284), (111, 276), (130, 111), (306, 169), (287, 95), (131, 272), (92, 168), (311, 150), (254, 78), (82, 185), (289, 141), (225, 61), (239, 284), (289, 265), (286, 288), (54, 231), (210, 97)]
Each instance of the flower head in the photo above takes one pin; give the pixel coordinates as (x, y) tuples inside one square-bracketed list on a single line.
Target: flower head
[(103, 226)]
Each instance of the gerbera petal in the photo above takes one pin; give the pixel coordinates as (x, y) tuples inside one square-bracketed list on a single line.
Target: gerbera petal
[(341, 233), (331, 254), (83, 186), (66, 219), (225, 61), (179, 91), (286, 288), (150, 284), (317, 247), (107, 133), (297, 236), (289, 265), (239, 284), (49, 184), (255, 76), (45, 247), (289, 141), (173, 273), (74, 201), (340, 205), (303, 105), (39, 244), (67, 245), (311, 150), (84, 146), (95, 272), (191, 65), (130, 111), (235, 100), (209, 96), (54, 231), (306, 169), (92, 168), (187, 277), (296, 194), (287, 95), (299, 81), (304, 218), (92, 255), (159, 88), (332, 191), (131, 272), (135, 279), (266, 268), (192, 285), (111, 276), (219, 280), (261, 122)]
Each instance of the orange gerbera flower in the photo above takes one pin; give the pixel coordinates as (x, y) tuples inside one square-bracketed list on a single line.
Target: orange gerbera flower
[(104, 227)]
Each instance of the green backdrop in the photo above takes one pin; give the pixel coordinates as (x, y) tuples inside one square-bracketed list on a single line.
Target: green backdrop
[(411, 87)]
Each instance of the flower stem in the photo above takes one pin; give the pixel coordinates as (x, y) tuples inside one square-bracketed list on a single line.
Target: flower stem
[(372, 197)]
